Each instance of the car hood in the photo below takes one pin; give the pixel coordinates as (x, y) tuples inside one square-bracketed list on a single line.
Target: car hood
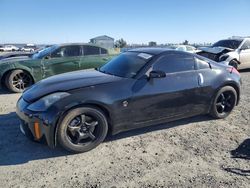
[(15, 59), (67, 81), (215, 50)]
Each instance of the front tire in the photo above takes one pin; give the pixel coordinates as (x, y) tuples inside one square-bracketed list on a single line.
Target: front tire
[(224, 102), (18, 80), (82, 129)]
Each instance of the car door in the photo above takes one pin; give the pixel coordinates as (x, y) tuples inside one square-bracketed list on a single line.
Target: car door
[(64, 59), (245, 55), (170, 96), (93, 57)]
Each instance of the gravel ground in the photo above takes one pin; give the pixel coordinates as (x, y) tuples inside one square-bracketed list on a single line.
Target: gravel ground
[(195, 152)]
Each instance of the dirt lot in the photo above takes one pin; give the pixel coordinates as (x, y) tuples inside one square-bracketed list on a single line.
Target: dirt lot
[(196, 152)]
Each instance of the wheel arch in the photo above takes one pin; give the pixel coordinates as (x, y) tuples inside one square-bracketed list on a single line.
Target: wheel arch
[(13, 69), (233, 56), (232, 84), (235, 59), (235, 86), (98, 106)]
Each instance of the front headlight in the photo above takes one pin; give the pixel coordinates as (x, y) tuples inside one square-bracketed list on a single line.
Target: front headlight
[(45, 102)]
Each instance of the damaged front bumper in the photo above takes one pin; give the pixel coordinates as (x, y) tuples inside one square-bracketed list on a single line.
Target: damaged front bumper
[(36, 126)]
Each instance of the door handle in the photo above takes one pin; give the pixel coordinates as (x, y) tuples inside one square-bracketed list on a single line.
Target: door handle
[(200, 79)]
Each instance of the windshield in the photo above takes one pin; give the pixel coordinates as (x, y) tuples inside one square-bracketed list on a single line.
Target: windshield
[(233, 44), (181, 48), (42, 53), (126, 65)]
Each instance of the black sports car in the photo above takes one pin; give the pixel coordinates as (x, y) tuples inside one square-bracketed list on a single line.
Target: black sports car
[(138, 88)]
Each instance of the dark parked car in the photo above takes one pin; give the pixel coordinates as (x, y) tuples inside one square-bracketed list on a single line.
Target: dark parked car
[(138, 88), (17, 74)]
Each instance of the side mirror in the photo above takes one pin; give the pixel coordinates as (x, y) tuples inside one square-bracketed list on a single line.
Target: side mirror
[(157, 74)]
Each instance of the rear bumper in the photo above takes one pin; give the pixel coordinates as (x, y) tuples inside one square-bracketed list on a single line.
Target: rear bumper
[(35, 126)]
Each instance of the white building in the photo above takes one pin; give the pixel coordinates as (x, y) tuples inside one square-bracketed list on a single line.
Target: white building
[(103, 41)]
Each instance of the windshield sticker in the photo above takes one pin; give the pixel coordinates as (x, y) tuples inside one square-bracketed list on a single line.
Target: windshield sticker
[(144, 55)]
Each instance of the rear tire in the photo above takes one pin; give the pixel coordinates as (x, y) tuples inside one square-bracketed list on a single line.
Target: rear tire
[(82, 129), (224, 102)]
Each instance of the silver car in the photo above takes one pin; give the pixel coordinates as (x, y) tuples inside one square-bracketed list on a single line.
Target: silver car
[(234, 52), (185, 48)]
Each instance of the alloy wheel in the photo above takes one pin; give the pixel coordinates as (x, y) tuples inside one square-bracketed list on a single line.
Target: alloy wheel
[(225, 102), (21, 81), (82, 129)]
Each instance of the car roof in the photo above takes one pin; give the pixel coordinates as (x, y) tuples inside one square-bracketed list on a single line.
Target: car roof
[(234, 39), (152, 51), (78, 44)]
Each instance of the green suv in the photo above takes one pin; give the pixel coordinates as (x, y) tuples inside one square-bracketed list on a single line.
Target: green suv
[(18, 73)]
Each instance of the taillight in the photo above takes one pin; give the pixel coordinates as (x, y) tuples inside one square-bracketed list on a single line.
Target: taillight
[(233, 70)]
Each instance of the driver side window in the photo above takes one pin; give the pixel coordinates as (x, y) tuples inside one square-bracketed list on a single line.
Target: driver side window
[(175, 62), (66, 51), (91, 50)]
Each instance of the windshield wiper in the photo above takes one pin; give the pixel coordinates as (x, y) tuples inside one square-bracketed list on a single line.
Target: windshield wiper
[(104, 72)]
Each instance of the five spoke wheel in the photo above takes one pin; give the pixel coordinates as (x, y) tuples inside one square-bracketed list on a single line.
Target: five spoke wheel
[(82, 129), (224, 102)]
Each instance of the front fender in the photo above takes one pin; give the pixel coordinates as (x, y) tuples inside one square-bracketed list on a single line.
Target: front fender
[(54, 115), (27, 69), (233, 56), (4, 68)]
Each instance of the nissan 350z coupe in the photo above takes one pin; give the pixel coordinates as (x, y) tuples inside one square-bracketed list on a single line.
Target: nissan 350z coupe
[(137, 88)]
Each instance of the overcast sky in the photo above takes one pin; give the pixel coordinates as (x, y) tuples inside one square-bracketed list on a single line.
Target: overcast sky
[(137, 21)]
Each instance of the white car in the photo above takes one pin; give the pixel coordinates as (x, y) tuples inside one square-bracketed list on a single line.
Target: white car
[(234, 52), (29, 48), (185, 48), (7, 48)]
